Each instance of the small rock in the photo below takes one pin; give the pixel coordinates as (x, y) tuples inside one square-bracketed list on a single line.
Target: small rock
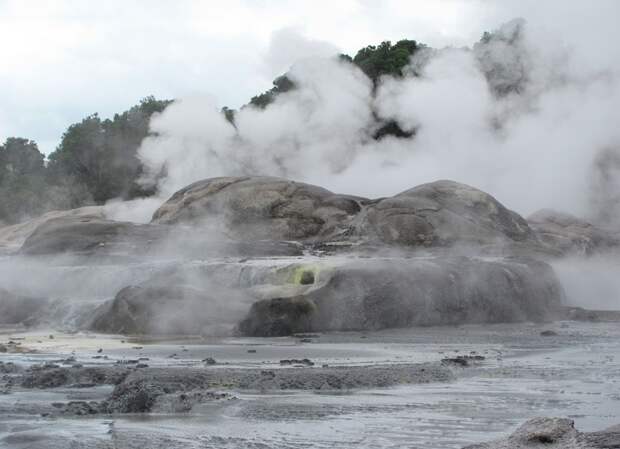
[(210, 361), (305, 362), (462, 360), (126, 362), (548, 333)]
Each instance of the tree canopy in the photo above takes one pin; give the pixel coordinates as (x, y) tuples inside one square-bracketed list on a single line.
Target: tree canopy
[(385, 58), (96, 160)]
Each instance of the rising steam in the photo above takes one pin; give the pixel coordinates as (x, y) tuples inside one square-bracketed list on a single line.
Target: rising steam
[(524, 115)]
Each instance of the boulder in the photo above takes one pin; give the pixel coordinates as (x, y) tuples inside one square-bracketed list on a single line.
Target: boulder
[(18, 309), (286, 296), (260, 208), (13, 237), (87, 235), (172, 306), (261, 216), (443, 213), (552, 433), (370, 294), (568, 234), (90, 236)]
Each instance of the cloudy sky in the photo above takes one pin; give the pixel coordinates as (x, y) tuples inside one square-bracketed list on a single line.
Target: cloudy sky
[(65, 59)]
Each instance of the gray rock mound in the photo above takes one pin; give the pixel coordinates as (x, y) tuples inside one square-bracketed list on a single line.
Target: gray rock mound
[(173, 306), (284, 296), (260, 208), (13, 237), (151, 388), (552, 433), (89, 235), (568, 234), (441, 213), (16, 308), (368, 294), (444, 213), (260, 216)]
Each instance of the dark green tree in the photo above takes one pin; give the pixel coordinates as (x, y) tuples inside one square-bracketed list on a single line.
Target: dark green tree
[(385, 58), (103, 154), (22, 180), (280, 85)]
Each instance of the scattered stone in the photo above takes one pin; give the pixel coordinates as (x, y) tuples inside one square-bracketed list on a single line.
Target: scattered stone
[(81, 408), (554, 433), (68, 361), (185, 402), (127, 362), (134, 396), (304, 362), (462, 360), (9, 368)]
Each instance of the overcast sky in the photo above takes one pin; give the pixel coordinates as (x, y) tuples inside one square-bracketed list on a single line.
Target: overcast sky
[(62, 60)]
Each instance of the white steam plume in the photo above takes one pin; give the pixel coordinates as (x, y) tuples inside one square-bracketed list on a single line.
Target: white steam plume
[(523, 116)]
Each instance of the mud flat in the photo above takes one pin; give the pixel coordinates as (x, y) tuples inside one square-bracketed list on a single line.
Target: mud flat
[(436, 387)]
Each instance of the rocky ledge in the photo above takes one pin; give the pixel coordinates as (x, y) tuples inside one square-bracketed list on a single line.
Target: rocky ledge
[(554, 433), (267, 256)]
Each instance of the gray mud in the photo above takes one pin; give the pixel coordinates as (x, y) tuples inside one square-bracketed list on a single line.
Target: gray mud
[(396, 388)]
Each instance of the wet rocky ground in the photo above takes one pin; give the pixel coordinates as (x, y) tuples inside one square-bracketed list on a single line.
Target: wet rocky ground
[(433, 387)]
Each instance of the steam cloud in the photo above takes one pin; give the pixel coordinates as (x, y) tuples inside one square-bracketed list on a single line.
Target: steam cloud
[(527, 116)]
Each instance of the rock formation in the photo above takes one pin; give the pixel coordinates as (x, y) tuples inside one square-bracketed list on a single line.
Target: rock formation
[(568, 234), (439, 253), (554, 433), (370, 294)]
